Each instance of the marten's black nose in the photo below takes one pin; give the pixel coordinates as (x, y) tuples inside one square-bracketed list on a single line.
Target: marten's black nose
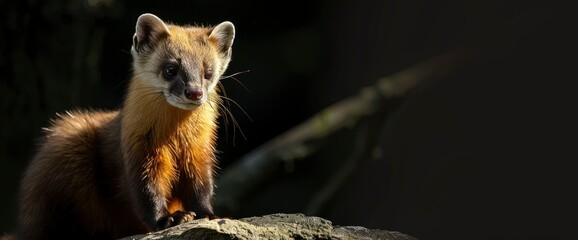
[(193, 93)]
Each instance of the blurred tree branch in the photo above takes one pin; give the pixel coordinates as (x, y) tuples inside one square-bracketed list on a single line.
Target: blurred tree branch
[(302, 140)]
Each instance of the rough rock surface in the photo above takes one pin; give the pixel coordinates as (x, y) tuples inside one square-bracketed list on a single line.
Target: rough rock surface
[(274, 226)]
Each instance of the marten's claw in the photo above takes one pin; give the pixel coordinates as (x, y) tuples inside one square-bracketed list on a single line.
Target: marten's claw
[(175, 218)]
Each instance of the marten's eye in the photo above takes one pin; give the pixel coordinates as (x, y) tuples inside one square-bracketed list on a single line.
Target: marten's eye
[(170, 71), (209, 73)]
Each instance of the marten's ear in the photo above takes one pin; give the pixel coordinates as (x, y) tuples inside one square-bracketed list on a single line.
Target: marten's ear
[(149, 30), (223, 35)]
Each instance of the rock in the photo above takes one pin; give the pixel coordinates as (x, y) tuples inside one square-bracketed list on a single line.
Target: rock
[(274, 226), (356, 232)]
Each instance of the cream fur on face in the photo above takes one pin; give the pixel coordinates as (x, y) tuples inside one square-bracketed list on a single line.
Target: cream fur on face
[(200, 56)]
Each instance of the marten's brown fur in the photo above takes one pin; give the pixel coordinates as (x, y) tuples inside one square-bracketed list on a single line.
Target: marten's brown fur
[(148, 166)]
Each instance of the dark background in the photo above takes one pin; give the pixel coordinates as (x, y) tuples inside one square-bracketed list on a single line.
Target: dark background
[(487, 151)]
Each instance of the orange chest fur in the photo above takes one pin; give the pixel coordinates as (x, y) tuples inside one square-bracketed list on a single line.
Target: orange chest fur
[(185, 154)]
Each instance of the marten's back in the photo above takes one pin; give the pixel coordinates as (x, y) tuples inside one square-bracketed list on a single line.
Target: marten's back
[(74, 180)]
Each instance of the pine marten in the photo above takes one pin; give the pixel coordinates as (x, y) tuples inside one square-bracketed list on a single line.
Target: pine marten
[(149, 165)]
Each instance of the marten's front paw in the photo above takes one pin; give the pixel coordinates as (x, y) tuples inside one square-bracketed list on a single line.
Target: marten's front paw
[(175, 218)]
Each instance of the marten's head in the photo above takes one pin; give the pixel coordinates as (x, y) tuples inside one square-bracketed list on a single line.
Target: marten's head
[(183, 62)]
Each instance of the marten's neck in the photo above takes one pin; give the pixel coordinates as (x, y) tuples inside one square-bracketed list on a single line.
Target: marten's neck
[(154, 130)]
